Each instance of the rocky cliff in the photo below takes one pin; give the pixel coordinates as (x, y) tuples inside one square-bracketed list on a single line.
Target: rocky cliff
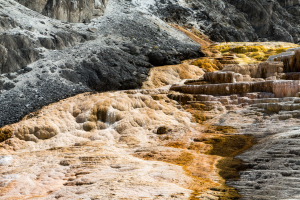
[(222, 20), (71, 11), (230, 20)]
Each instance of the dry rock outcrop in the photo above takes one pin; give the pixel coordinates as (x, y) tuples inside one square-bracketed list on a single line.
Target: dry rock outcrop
[(230, 20), (250, 69), (68, 11), (222, 20), (267, 110), (225, 77), (271, 117), (290, 59)]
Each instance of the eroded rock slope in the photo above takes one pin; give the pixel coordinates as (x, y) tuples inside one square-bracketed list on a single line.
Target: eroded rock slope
[(230, 20), (222, 20), (44, 60)]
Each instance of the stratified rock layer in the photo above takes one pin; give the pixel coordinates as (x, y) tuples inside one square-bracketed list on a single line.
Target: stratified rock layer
[(280, 88)]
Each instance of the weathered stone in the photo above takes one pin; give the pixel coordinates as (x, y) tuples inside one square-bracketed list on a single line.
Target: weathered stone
[(290, 59), (278, 88), (250, 70), (286, 88), (226, 89), (269, 69), (70, 11), (220, 77)]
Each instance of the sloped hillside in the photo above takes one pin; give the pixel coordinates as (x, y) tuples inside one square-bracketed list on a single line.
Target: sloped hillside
[(44, 60)]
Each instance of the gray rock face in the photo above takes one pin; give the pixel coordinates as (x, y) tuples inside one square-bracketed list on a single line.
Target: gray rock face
[(231, 20), (222, 20), (18, 50), (69, 10), (43, 60)]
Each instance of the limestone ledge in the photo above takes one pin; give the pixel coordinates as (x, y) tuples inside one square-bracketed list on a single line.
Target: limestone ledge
[(282, 88)]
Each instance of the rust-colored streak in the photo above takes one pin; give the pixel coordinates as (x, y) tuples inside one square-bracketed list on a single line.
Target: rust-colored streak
[(195, 35)]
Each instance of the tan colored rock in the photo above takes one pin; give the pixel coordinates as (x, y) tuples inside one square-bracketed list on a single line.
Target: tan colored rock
[(94, 158), (290, 59), (291, 76), (268, 69), (225, 77), (220, 77), (286, 88), (88, 126), (171, 74), (279, 88), (262, 70), (297, 57), (250, 69), (226, 89)]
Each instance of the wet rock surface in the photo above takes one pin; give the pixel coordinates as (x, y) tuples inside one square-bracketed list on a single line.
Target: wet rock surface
[(272, 163)]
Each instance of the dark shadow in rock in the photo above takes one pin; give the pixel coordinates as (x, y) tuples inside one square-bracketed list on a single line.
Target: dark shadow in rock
[(69, 75)]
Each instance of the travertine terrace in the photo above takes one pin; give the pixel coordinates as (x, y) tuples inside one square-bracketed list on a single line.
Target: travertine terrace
[(135, 99), (164, 142), (259, 100)]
